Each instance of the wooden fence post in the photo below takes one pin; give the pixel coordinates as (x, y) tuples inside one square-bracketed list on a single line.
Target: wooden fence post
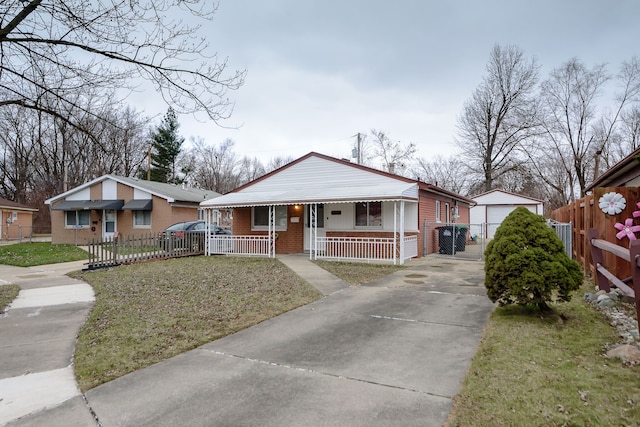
[(598, 258), (634, 257)]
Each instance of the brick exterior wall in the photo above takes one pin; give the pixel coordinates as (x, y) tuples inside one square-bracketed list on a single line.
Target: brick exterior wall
[(163, 214), (427, 211), (290, 241), (11, 231)]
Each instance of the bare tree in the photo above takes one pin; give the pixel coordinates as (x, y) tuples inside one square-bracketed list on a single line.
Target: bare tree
[(393, 156), (277, 162), (215, 167), (628, 138), (500, 117), (50, 49), (445, 172), (577, 133), (250, 169)]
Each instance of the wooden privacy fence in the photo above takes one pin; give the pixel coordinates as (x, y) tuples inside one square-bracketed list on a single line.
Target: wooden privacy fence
[(129, 249), (585, 214), (604, 276)]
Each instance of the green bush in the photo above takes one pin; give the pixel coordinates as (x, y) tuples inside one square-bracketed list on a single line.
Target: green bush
[(526, 263)]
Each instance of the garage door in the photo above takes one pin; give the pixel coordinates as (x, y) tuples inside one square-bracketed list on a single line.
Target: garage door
[(496, 214)]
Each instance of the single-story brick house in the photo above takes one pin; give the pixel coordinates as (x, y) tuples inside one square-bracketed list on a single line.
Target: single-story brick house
[(129, 206), (333, 208), (16, 220)]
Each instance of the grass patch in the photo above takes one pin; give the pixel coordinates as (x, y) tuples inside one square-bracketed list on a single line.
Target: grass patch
[(145, 313), (547, 370), (39, 253), (357, 273), (7, 294)]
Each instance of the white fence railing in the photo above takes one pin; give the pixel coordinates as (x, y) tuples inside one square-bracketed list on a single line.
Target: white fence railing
[(358, 248), (410, 247), (239, 245), (354, 248)]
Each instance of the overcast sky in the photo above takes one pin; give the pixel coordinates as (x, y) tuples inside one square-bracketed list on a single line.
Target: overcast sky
[(318, 72)]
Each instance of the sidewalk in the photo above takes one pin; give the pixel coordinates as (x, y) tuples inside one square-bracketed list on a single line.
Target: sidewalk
[(37, 339)]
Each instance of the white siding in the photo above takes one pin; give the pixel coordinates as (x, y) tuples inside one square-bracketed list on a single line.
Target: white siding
[(344, 221), (141, 195), (109, 189), (84, 194), (318, 173)]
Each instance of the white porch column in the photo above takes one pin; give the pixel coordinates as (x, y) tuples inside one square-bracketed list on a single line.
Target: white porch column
[(313, 231), (395, 232), (272, 231), (207, 231), (401, 232)]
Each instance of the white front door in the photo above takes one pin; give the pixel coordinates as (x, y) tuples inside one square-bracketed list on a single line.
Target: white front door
[(307, 225), (108, 224)]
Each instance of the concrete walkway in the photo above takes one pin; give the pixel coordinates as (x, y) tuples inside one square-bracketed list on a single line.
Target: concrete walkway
[(391, 352), (37, 339)]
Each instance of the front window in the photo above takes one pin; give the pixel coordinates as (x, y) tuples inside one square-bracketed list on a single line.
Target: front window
[(77, 219), (438, 211), (142, 219), (447, 213), (369, 214), (260, 217)]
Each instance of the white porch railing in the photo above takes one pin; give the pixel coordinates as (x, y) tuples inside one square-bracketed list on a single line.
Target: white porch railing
[(239, 245), (410, 246), (354, 248), (358, 248)]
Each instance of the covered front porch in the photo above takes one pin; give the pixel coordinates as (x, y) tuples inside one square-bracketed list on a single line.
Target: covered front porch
[(353, 230)]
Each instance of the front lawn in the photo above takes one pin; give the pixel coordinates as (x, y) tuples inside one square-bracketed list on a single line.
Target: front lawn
[(548, 370), (7, 294), (39, 253), (357, 273), (148, 312)]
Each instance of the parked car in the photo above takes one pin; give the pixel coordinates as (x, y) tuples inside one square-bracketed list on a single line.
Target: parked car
[(187, 235)]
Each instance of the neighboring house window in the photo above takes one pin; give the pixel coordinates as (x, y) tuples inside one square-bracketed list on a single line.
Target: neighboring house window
[(369, 214), (142, 219), (438, 211), (447, 213), (260, 218), (77, 218)]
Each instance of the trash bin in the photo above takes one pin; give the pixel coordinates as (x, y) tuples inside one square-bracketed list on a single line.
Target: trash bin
[(461, 238), (445, 239)]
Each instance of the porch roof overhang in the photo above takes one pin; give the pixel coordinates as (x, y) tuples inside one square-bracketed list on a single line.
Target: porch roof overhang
[(394, 192), (138, 205), (87, 205)]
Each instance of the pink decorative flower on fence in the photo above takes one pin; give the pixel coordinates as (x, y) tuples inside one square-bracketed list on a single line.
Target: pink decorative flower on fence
[(627, 229), (636, 214)]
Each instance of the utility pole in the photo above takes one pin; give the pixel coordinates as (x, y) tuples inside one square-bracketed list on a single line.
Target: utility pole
[(149, 163)]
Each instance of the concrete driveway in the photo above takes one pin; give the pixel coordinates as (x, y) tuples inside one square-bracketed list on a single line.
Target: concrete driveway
[(391, 352)]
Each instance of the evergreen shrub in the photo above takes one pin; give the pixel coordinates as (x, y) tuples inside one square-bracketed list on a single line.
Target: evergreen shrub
[(525, 263)]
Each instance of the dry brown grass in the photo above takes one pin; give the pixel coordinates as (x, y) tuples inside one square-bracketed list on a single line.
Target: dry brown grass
[(145, 313)]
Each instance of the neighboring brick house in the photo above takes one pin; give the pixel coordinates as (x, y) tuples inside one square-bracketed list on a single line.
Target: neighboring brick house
[(128, 206), (348, 200), (16, 220)]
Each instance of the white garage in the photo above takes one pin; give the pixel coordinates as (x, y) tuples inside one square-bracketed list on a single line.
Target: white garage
[(493, 206)]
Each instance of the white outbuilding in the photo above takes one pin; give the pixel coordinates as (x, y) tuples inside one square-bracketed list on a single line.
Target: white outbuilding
[(493, 206)]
